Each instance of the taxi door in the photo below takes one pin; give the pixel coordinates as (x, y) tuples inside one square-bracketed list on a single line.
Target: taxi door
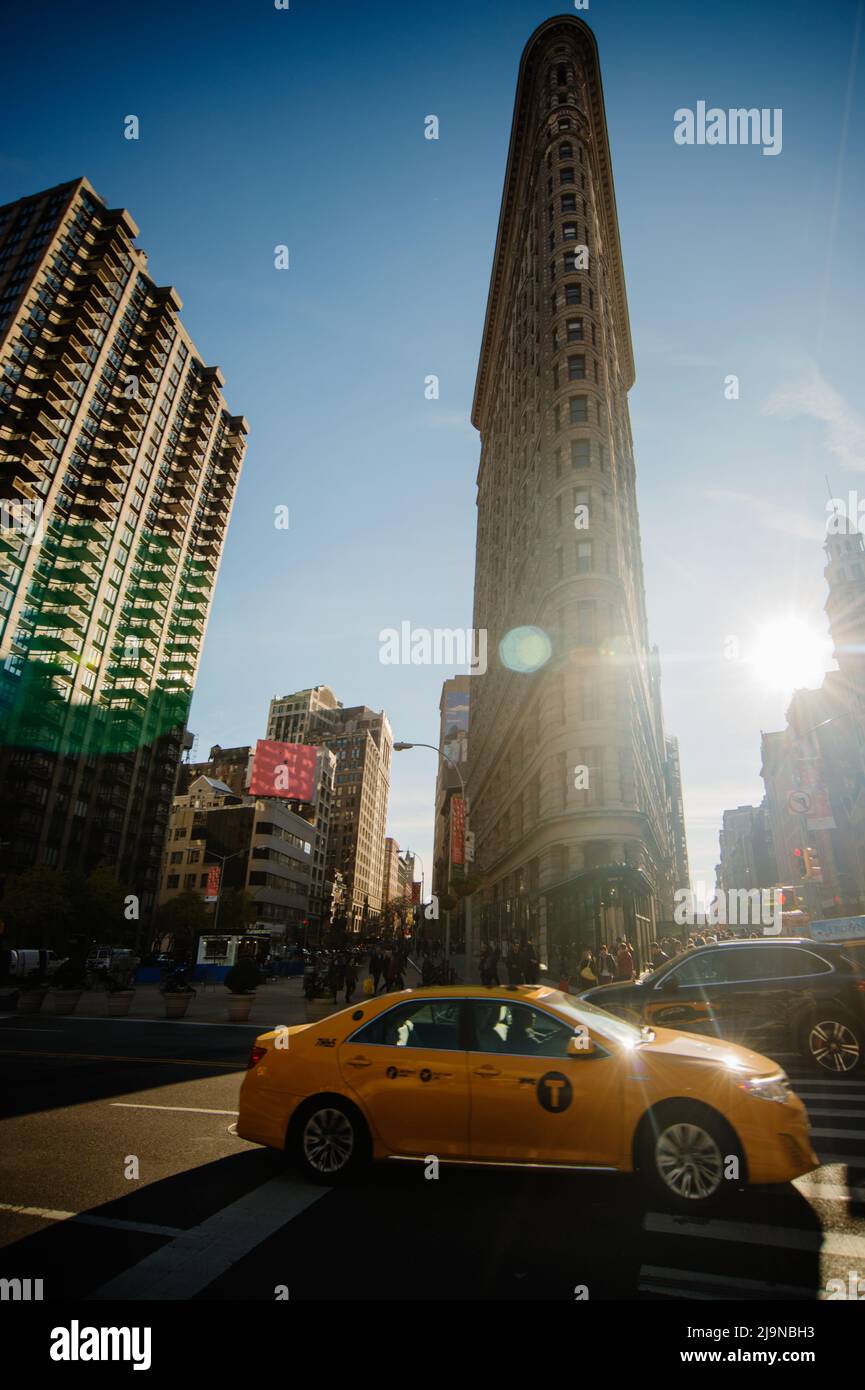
[(409, 1070), (530, 1101)]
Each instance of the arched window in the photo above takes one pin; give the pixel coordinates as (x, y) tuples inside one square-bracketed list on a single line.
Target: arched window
[(566, 151)]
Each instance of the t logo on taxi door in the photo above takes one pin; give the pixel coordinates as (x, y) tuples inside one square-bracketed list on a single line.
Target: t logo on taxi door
[(554, 1091)]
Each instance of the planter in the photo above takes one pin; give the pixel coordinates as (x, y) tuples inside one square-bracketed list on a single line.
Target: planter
[(30, 1000), (65, 1001), (119, 1001), (239, 1006), (176, 1005), (319, 1008)]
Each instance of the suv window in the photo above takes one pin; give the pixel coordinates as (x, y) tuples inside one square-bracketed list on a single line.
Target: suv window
[(702, 967), (776, 963), (419, 1023), (519, 1030)]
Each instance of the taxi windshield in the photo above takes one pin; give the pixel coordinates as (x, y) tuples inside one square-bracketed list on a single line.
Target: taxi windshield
[(581, 1012)]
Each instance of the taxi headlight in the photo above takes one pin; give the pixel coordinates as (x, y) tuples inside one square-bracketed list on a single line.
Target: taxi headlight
[(767, 1087)]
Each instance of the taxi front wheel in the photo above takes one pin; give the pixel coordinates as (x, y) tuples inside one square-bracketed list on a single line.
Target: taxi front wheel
[(329, 1140), (684, 1154)]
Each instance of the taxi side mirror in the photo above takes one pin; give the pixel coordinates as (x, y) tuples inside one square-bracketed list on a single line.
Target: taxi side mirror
[(581, 1046)]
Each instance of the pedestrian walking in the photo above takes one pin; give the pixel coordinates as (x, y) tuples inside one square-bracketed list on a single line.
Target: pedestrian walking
[(350, 979), (606, 967), (624, 962), (532, 964)]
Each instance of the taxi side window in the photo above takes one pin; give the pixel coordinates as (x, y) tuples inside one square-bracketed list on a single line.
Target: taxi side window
[(419, 1023), (519, 1030), (703, 968)]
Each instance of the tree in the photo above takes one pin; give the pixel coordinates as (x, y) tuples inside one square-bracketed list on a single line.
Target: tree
[(182, 920), (38, 909), (101, 908), (237, 911)]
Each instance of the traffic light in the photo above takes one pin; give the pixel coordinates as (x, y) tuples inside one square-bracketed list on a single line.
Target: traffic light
[(799, 863), (812, 863)]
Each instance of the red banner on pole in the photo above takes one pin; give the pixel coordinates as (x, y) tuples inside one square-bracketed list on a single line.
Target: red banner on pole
[(458, 831), (214, 873), (415, 892)]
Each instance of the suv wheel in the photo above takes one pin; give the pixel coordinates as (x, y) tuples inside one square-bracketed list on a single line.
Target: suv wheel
[(330, 1140), (683, 1154), (834, 1044)]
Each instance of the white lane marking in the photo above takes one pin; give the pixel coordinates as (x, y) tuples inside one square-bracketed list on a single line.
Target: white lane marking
[(187, 1109), (196, 1258), (88, 1219), (729, 1281), (827, 1242), (172, 1022), (829, 1191)]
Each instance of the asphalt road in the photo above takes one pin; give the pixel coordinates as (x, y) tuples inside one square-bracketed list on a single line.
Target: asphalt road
[(121, 1178)]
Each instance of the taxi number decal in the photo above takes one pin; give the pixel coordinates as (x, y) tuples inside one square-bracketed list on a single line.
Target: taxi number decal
[(393, 1072), (555, 1092)]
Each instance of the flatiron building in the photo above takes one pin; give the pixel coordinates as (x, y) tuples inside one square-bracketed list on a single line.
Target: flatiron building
[(569, 791)]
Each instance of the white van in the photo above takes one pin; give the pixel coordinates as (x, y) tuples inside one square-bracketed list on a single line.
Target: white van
[(22, 962)]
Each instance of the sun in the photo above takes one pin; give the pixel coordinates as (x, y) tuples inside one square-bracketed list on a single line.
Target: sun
[(790, 654)]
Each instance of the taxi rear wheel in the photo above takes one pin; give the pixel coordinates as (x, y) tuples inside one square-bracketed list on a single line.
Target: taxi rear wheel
[(684, 1154), (329, 1140)]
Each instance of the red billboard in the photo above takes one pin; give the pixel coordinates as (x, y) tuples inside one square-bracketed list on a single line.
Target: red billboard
[(283, 769)]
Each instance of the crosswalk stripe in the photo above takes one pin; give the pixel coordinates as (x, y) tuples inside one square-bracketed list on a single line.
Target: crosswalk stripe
[(187, 1264), (829, 1191), (839, 1114), (736, 1285), (837, 1133), (83, 1218), (818, 1080), (826, 1242)]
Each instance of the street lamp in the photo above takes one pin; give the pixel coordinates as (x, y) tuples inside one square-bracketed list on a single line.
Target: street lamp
[(223, 859), (400, 748)]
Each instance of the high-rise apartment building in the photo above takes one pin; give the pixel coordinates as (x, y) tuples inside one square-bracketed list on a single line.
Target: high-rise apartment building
[(119, 463), (362, 741), (567, 791)]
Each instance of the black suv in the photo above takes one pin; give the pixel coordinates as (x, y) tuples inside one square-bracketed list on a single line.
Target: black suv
[(783, 995)]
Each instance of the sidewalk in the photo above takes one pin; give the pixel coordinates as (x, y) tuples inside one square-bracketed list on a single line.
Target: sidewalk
[(281, 1002)]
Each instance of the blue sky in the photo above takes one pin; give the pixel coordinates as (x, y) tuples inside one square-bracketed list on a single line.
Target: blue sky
[(305, 127)]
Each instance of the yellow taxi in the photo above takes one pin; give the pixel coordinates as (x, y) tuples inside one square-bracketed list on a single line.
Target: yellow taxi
[(522, 1075)]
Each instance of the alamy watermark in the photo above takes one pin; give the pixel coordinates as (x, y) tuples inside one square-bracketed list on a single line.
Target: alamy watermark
[(438, 646), (732, 907), (738, 126)]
